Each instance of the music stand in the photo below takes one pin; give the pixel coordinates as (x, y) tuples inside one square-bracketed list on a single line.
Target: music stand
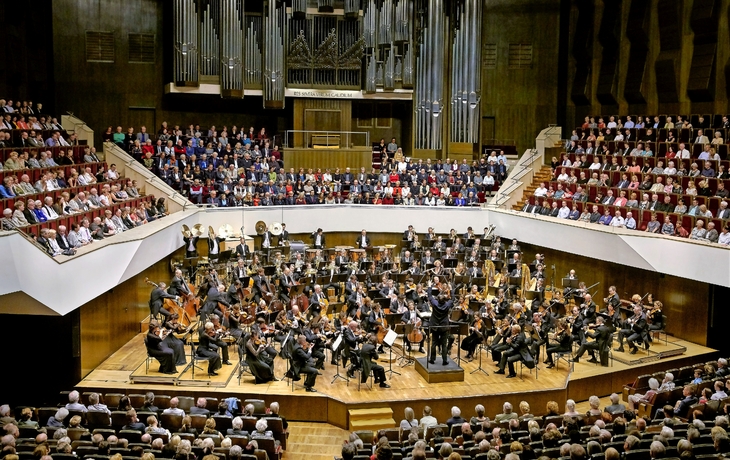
[(480, 349), (406, 329), (335, 346), (450, 263), (498, 264), (571, 283), (515, 281), (389, 340)]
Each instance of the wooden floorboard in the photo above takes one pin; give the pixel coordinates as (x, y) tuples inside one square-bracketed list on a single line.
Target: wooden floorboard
[(314, 441)]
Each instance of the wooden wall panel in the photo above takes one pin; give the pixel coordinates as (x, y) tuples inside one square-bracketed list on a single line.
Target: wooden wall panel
[(112, 319)]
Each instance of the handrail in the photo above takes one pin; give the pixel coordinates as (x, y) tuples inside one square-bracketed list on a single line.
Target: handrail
[(326, 132)]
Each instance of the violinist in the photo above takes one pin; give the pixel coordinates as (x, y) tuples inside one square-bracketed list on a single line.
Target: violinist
[(176, 345), (655, 318), (295, 319), (398, 303), (234, 321), (601, 334), (518, 350), (158, 349), (576, 325), (208, 345), (476, 336), (259, 361), (501, 305), (301, 363), (561, 342), (474, 294), (634, 330), (588, 309), (351, 285), (317, 342), (410, 316), (351, 336), (240, 271), (613, 298), (540, 330), (437, 269), (612, 317)]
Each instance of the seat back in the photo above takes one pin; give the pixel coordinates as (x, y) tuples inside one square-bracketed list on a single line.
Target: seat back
[(216, 439), (172, 422), (198, 421), (259, 406), (186, 402), (133, 436), (222, 423), (97, 419)]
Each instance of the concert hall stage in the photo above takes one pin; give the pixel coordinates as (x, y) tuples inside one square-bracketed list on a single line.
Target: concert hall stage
[(121, 372)]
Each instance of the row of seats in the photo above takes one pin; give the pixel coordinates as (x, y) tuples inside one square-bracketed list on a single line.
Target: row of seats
[(78, 151), (35, 174), (55, 194), (711, 120), (659, 149)]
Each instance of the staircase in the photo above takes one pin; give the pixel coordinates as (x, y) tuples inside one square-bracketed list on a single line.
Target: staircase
[(543, 175), (373, 418)]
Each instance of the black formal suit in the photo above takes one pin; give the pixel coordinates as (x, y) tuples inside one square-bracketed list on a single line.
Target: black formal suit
[(300, 364), (439, 317), (214, 245), (321, 244), (211, 304), (369, 356), (242, 251), (317, 348), (178, 287), (208, 348), (161, 352), (349, 344), (360, 244), (684, 405), (62, 241), (601, 336), (157, 297), (564, 341), (634, 332), (520, 350)]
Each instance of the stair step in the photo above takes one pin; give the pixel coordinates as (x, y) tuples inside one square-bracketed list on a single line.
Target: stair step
[(374, 424), (371, 413)]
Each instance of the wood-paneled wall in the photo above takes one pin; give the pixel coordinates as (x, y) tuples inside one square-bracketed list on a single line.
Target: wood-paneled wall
[(647, 58), (112, 319), (328, 158)]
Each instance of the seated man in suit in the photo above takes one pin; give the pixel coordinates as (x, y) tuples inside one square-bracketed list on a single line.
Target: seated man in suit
[(600, 336), (208, 346), (369, 356), (242, 251), (300, 364), (159, 350)]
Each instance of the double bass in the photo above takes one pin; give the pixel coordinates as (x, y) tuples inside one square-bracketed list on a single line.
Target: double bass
[(173, 307)]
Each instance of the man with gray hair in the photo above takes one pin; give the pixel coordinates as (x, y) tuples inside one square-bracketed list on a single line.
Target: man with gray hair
[(57, 419), (5, 417), (73, 402), (667, 383), (456, 418), (506, 414), (173, 409), (722, 369), (657, 450), (615, 406), (236, 452), (237, 428), (94, 404)]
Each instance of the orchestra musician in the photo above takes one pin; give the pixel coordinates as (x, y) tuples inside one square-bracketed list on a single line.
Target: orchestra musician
[(410, 316), (341, 259), (576, 325), (266, 238), (540, 329), (316, 301), (178, 286), (369, 358), (612, 317), (318, 240), (158, 349), (376, 318), (175, 344), (261, 287), (191, 246), (330, 272), (157, 297), (215, 296), (518, 350), (208, 346), (284, 237), (561, 343), (214, 245), (634, 330), (301, 364), (567, 291), (351, 336), (317, 342), (477, 329), (286, 282), (588, 309), (613, 298), (601, 336), (363, 241), (655, 318), (242, 250), (260, 362)]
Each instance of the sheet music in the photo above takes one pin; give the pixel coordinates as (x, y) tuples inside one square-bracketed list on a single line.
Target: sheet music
[(390, 337), (336, 344)]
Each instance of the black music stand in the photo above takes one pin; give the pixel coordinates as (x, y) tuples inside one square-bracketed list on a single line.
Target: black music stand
[(498, 264), (450, 262), (336, 345), (571, 283), (480, 349)]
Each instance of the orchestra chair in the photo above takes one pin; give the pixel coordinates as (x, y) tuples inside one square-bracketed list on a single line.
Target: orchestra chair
[(243, 368), (566, 356), (658, 333), (606, 355), (194, 360)]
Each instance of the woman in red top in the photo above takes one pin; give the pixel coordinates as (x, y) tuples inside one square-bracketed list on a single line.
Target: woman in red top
[(377, 199), (387, 199)]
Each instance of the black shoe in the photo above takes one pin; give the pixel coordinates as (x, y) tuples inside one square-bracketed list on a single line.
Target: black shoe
[(511, 376), (547, 361), (421, 350), (319, 373), (445, 363), (432, 362), (384, 385), (212, 373), (500, 372), (334, 363), (227, 363), (621, 349), (350, 374), (576, 359), (296, 378), (633, 350), (550, 366), (647, 345), (310, 390), (593, 360)]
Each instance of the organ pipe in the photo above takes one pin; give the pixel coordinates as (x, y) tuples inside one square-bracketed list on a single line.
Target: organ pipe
[(231, 47), (185, 29), (465, 73), (275, 28), (429, 92)]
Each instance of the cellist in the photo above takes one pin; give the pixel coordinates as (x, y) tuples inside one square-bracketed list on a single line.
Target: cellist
[(411, 317)]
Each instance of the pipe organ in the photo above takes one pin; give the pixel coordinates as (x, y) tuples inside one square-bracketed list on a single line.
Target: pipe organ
[(430, 48)]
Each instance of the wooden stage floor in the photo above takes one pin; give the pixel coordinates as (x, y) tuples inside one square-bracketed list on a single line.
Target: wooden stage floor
[(333, 400)]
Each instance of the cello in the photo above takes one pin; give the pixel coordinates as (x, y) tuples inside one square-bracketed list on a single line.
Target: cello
[(416, 335), (172, 306)]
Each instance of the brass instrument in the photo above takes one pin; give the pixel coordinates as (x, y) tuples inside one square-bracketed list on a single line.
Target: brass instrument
[(260, 227), (225, 231), (276, 229), (416, 242)]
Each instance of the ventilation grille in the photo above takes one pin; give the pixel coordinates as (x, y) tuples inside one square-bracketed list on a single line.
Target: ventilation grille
[(142, 48), (99, 46), (489, 56), (520, 56)]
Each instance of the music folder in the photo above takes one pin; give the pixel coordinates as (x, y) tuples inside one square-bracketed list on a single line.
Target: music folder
[(390, 337), (571, 283)]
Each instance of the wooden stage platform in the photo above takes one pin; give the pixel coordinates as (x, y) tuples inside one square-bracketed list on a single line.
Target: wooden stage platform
[(333, 400)]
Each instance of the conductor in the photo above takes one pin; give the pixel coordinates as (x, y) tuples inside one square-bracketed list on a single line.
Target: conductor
[(440, 321)]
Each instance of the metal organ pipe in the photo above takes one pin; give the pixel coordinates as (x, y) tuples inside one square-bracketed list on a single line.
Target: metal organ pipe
[(185, 26), (466, 73), (275, 29)]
